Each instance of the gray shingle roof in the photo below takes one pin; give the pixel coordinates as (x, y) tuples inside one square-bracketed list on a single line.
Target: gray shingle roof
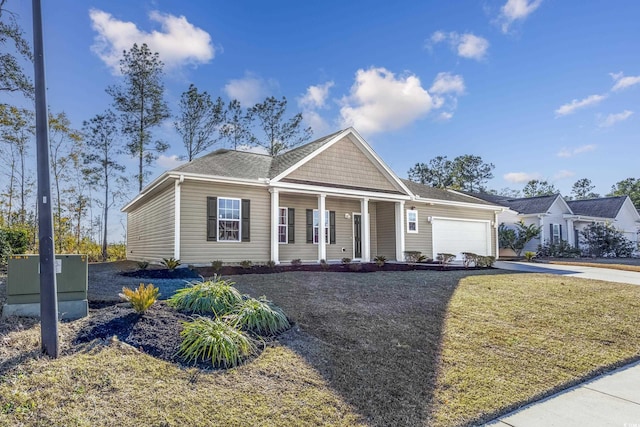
[(246, 165), (604, 207), (524, 205), (427, 192)]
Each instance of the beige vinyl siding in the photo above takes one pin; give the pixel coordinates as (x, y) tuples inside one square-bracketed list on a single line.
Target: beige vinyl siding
[(373, 233), (386, 230), (309, 251), (344, 164), (195, 248), (151, 226), (423, 240)]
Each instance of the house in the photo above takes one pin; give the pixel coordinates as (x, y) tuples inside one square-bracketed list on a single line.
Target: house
[(233, 206), (562, 220)]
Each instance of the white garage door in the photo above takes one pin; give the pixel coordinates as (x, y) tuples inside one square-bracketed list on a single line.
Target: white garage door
[(456, 236)]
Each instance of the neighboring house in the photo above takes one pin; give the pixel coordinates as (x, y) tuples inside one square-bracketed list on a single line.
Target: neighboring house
[(233, 206), (563, 220)]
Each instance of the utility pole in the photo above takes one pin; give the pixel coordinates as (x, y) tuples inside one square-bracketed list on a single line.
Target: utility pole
[(48, 288)]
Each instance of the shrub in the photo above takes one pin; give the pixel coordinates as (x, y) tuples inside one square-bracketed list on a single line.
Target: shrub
[(216, 265), (517, 238), (116, 251), (142, 298), (246, 264), (486, 261), (380, 260), (212, 296), (296, 261), (324, 264), (143, 265), (561, 249), (346, 260), (12, 241), (356, 266), (260, 316), (414, 256), (605, 240), (445, 258), (205, 339), (529, 256), (171, 263), (271, 264), (468, 258)]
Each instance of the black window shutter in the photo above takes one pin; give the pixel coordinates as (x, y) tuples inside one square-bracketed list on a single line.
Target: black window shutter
[(561, 232), (291, 224), (212, 215), (332, 227), (246, 220), (309, 225), (551, 233)]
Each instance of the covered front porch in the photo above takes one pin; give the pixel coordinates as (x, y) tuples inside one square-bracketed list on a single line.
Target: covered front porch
[(356, 226)]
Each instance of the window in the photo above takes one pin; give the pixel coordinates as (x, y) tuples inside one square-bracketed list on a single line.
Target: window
[(412, 221), (316, 225), (228, 220), (556, 233), (283, 229)]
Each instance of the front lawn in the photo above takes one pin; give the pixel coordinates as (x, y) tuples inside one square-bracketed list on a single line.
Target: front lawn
[(387, 348)]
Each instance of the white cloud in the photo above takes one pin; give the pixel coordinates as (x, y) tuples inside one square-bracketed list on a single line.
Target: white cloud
[(249, 90), (516, 10), (447, 83), (445, 116), (379, 101), (169, 162), (316, 96), (178, 42), (576, 104), (622, 82), (612, 119), (563, 174), (520, 177), (567, 152), (466, 45)]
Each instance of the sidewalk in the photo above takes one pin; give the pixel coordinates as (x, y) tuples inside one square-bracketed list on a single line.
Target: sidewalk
[(606, 274), (612, 399)]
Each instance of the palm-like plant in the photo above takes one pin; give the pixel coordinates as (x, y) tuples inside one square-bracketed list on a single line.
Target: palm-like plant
[(260, 316), (212, 296)]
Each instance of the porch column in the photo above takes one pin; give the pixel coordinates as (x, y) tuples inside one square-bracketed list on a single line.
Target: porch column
[(571, 234), (275, 213), (400, 231), (366, 231), (322, 243), (541, 224)]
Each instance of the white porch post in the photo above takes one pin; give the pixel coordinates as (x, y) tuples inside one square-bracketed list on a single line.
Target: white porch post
[(400, 231), (496, 234), (176, 227), (322, 243), (275, 213), (366, 231), (570, 233)]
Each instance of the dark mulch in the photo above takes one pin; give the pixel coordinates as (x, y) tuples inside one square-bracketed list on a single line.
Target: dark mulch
[(156, 332), (162, 273)]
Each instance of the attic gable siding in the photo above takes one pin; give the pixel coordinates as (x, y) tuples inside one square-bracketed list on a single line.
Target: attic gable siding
[(343, 164)]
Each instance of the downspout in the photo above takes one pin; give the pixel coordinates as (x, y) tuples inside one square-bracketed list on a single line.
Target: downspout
[(176, 207)]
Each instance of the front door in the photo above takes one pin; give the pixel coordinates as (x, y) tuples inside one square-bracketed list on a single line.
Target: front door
[(357, 236)]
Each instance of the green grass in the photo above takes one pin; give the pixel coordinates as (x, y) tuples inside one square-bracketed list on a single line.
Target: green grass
[(403, 348), (215, 340), (260, 316), (215, 296)]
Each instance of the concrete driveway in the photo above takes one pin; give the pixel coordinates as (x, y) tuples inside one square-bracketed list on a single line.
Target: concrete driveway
[(596, 273)]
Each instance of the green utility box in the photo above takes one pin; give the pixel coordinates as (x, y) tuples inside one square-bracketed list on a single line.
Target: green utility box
[(23, 286)]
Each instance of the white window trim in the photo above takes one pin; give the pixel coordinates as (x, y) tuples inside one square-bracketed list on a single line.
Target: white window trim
[(285, 225), (409, 222), (327, 227), (556, 227), (239, 219)]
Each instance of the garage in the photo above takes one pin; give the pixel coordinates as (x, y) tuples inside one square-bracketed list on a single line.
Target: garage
[(455, 236)]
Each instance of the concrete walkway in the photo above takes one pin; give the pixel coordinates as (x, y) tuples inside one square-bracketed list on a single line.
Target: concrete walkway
[(609, 400), (607, 274)]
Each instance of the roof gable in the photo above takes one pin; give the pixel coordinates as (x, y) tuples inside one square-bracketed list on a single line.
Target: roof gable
[(604, 207), (341, 159), (426, 192)]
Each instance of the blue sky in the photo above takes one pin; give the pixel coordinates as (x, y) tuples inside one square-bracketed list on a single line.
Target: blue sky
[(543, 89)]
